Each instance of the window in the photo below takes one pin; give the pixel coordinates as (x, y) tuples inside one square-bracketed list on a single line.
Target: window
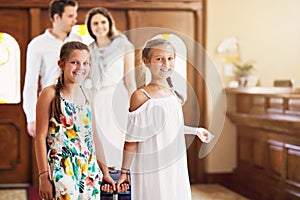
[(9, 70)]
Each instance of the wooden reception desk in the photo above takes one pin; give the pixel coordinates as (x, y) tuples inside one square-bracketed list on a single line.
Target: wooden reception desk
[(268, 133)]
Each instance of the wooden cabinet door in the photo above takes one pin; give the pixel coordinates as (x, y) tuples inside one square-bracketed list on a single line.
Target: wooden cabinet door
[(15, 147)]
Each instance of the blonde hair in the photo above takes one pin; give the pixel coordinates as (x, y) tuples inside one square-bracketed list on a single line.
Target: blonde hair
[(147, 53), (155, 44)]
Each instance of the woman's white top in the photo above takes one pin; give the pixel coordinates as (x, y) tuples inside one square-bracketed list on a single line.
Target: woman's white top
[(108, 62)]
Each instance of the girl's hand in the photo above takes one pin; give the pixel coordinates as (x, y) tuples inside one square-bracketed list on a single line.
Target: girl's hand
[(123, 182), (108, 184), (45, 187), (204, 135)]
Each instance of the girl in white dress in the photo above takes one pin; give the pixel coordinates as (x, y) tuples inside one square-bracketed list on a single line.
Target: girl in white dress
[(155, 151)]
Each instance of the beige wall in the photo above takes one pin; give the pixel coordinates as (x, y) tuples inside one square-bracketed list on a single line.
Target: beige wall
[(268, 32)]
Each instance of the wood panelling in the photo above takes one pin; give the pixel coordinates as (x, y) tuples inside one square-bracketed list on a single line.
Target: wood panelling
[(268, 142), (258, 154), (35, 17), (245, 146), (15, 156), (10, 150), (275, 158), (28, 18), (112, 4), (167, 0), (44, 20), (293, 164), (183, 23)]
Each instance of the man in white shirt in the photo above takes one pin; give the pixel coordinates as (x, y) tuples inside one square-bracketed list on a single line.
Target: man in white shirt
[(43, 54)]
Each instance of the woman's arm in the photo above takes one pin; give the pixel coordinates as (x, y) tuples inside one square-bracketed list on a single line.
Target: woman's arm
[(103, 166), (100, 152), (203, 134), (110, 187), (42, 125), (129, 74)]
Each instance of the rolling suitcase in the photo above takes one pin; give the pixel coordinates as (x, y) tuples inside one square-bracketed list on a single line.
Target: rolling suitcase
[(115, 174)]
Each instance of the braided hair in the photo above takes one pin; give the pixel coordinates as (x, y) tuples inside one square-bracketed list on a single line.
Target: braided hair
[(65, 52)]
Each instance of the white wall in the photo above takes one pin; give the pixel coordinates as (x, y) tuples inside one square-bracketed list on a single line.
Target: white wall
[(268, 32)]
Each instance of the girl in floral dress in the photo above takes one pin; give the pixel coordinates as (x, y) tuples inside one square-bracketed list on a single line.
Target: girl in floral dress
[(64, 118)]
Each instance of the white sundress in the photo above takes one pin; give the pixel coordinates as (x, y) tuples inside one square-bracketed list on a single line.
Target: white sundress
[(111, 96), (159, 169)]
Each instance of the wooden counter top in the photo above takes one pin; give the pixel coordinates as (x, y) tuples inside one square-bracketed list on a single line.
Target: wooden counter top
[(267, 121), (277, 108), (264, 91)]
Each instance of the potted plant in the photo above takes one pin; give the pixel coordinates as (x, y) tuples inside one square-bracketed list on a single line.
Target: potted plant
[(242, 71)]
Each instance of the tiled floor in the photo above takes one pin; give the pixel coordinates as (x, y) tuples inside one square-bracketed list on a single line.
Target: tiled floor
[(199, 192), (13, 194), (214, 192)]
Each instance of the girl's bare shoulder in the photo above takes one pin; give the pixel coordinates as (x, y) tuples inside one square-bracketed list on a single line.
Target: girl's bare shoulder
[(48, 93), (138, 98)]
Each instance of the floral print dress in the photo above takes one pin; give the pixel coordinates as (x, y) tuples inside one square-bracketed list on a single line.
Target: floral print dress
[(72, 158)]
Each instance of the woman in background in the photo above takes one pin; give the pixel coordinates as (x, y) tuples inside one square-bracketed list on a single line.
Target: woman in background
[(112, 76)]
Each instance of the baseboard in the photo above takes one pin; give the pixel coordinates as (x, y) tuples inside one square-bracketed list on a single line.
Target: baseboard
[(218, 177), (224, 179), (14, 185)]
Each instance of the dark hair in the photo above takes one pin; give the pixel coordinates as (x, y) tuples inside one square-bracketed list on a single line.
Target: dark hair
[(58, 7), (103, 11), (65, 53)]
